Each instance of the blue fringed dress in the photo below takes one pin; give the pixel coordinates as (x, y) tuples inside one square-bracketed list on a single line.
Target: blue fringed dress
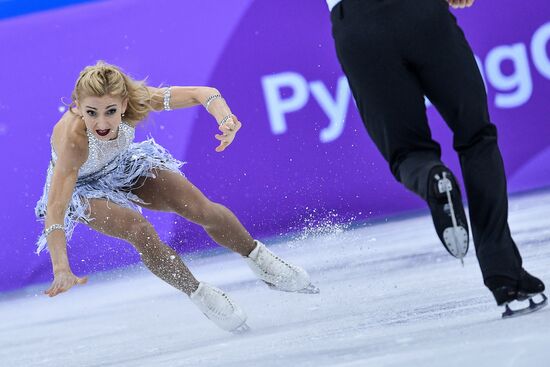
[(112, 169)]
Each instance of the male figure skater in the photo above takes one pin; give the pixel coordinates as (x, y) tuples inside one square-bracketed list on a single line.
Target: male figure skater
[(395, 52)]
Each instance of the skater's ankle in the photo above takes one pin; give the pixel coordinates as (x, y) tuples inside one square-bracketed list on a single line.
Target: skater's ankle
[(498, 281), (253, 253)]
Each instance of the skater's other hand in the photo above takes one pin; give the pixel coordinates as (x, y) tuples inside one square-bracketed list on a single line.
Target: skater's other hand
[(63, 281), (460, 3), (229, 129)]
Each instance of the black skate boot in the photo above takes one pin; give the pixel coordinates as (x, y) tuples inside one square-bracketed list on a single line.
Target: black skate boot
[(519, 297), (448, 214)]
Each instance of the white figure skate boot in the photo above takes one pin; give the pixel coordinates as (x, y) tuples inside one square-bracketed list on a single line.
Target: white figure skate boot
[(217, 306), (277, 273)]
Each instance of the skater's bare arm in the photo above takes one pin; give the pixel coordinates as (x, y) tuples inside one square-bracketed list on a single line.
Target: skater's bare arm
[(460, 3), (71, 154), (182, 97)]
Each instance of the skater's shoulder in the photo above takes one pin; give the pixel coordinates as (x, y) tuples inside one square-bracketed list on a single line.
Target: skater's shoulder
[(69, 137)]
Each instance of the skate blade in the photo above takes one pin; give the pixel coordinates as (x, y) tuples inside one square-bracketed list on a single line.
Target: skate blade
[(243, 329), (533, 306), (310, 289), (460, 249)]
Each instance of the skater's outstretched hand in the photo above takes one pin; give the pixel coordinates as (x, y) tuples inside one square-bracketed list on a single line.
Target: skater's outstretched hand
[(460, 3), (63, 281), (228, 129)]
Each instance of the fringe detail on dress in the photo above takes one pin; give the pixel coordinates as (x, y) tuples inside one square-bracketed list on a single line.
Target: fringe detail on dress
[(139, 160)]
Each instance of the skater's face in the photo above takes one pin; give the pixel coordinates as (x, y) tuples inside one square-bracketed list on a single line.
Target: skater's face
[(102, 115)]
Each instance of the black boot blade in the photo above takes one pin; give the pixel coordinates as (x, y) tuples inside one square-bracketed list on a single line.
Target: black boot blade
[(533, 306), (454, 239)]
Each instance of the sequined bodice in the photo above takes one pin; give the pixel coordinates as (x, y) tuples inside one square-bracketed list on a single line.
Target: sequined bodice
[(102, 154)]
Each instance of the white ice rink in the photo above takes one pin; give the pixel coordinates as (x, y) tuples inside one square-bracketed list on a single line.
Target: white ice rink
[(390, 296)]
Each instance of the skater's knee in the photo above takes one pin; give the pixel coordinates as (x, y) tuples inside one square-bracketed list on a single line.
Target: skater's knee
[(211, 213), (203, 213), (141, 234)]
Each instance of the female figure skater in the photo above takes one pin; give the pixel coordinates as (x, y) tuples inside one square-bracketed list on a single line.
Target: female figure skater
[(99, 177)]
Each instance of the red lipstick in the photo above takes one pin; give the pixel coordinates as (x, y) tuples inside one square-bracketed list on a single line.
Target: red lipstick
[(103, 132)]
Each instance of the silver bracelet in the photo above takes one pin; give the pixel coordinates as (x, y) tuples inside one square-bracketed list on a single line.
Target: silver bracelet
[(210, 100), (54, 227), (167, 95), (224, 120)]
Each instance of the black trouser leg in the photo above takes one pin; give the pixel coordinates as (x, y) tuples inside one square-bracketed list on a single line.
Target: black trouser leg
[(388, 95), (450, 77), (395, 51)]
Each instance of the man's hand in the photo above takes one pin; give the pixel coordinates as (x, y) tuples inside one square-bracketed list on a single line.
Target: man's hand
[(460, 3), (229, 129), (63, 281)]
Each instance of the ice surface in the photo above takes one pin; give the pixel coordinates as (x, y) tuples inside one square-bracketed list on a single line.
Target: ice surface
[(390, 296)]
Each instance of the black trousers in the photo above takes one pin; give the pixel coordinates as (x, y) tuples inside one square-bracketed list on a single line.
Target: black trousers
[(394, 52)]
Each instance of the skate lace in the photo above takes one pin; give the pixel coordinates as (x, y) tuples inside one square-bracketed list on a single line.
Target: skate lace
[(279, 260), (221, 310)]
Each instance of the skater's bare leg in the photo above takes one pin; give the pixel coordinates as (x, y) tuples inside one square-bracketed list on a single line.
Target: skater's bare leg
[(132, 227), (171, 192)]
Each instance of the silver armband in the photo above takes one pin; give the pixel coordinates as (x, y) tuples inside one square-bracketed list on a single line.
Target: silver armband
[(224, 120), (210, 100), (167, 95), (53, 227)]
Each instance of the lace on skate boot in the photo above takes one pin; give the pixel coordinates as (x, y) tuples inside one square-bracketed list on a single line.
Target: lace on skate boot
[(219, 308), (277, 273), (449, 217)]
